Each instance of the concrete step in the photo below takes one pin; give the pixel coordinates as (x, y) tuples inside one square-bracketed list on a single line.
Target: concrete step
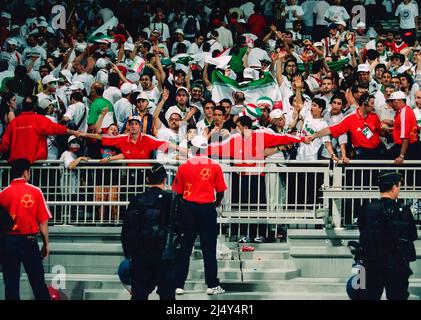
[(248, 274)]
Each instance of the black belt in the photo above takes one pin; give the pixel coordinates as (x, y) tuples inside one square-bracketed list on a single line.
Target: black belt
[(27, 236)]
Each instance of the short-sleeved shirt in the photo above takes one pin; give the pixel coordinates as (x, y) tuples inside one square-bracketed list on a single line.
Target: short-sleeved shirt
[(96, 108), (364, 131), (26, 205), (141, 149), (198, 178), (405, 126)]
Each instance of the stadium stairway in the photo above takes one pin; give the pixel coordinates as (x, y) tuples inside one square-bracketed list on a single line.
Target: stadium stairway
[(311, 265)]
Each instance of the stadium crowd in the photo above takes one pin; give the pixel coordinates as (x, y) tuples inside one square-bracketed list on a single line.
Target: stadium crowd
[(334, 85)]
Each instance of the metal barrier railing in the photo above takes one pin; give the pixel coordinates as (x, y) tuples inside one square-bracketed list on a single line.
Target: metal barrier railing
[(259, 199), (356, 184)]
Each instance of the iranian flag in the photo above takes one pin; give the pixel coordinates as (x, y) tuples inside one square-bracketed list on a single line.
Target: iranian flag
[(100, 34), (223, 87)]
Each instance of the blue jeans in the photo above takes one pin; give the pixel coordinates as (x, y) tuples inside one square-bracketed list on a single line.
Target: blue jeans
[(17, 249)]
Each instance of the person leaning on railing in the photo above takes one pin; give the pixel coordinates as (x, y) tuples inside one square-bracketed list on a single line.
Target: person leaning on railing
[(26, 135)]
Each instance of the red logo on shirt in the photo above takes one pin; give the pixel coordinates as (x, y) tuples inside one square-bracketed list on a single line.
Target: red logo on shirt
[(27, 201), (187, 192), (205, 173)]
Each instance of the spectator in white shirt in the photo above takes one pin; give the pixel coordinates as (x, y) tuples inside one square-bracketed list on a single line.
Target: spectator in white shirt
[(407, 12), (196, 46), (225, 37), (292, 13), (336, 13), (179, 37), (319, 30), (76, 113), (123, 108)]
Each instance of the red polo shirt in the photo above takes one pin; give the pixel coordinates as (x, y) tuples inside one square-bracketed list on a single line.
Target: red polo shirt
[(252, 148), (364, 131), (198, 178), (26, 205), (26, 136), (405, 126), (140, 149)]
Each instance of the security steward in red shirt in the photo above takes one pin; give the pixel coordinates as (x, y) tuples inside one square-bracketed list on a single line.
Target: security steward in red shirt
[(27, 207), (26, 135), (405, 130), (196, 182), (364, 127)]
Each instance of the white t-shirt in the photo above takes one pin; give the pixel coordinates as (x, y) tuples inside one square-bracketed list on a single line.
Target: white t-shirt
[(112, 94), (167, 134), (308, 8), (336, 142), (311, 126), (417, 112), (75, 112), (122, 110), (336, 13), (68, 176), (255, 55), (407, 13), (153, 95), (36, 51), (319, 9), (225, 37), (290, 15), (194, 48), (174, 46), (86, 78), (162, 28)]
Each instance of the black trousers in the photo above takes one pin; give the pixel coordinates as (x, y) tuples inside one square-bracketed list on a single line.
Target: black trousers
[(150, 271), (17, 249), (394, 280), (199, 219)]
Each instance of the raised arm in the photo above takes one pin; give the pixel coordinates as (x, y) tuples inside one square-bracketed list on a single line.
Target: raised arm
[(164, 98)]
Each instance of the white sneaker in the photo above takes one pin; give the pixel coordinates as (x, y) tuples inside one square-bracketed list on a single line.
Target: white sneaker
[(179, 291), (216, 290)]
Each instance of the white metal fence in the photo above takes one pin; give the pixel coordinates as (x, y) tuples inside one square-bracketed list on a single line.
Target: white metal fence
[(259, 199)]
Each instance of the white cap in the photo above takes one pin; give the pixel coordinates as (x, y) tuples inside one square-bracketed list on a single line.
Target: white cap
[(250, 73), (341, 22), (127, 87), (363, 68), (128, 46), (6, 15), (77, 85), (172, 110), (71, 138), (241, 21), (137, 118), (398, 95), (318, 44), (102, 63), (276, 113), (361, 25), (12, 41), (200, 142), (67, 74), (49, 78), (43, 24), (180, 31), (143, 96), (182, 88), (15, 26), (43, 104)]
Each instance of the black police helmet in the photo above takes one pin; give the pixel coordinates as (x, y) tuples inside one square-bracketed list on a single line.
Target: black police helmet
[(390, 177)]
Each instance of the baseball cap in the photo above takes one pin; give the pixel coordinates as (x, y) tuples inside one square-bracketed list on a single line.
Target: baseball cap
[(102, 63), (80, 47), (276, 114), (200, 142), (134, 118), (67, 74), (128, 46), (49, 78), (397, 95), (42, 23), (361, 25), (363, 68), (127, 87), (182, 88), (71, 138), (180, 31), (332, 26), (76, 85), (142, 96), (12, 41), (318, 44), (172, 110), (341, 22), (44, 103)]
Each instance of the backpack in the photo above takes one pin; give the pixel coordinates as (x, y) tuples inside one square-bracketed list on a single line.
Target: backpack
[(190, 28)]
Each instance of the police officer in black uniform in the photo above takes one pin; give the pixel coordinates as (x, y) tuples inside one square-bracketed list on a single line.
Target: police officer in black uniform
[(148, 238), (387, 235)]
